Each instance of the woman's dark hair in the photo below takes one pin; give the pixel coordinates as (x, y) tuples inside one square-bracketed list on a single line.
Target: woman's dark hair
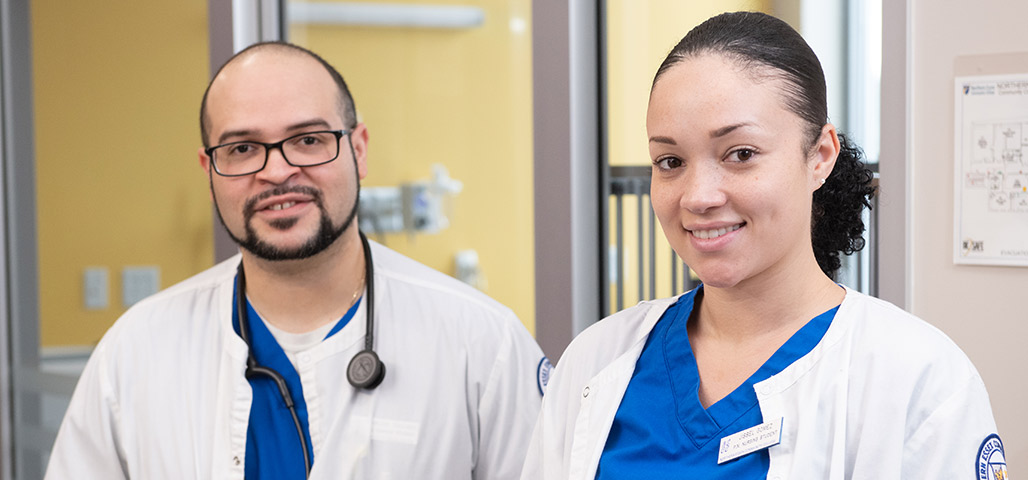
[(776, 50)]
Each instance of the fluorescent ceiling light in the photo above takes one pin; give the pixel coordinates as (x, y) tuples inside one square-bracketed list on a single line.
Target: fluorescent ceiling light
[(385, 15)]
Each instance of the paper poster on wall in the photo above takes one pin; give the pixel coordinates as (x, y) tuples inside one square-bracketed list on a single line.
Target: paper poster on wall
[(991, 176)]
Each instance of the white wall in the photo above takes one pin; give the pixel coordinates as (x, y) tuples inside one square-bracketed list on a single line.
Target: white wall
[(984, 309)]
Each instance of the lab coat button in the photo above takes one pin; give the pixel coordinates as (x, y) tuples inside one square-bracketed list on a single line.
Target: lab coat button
[(585, 392), (305, 358), (765, 389)]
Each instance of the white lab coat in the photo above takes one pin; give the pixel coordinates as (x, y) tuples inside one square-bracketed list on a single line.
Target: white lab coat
[(164, 396), (882, 396)]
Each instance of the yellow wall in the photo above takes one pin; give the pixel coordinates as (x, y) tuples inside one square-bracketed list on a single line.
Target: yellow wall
[(117, 89), (462, 98), (117, 85), (639, 36)]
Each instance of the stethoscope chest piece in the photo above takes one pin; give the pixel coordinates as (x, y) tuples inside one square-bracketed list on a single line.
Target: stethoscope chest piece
[(365, 370)]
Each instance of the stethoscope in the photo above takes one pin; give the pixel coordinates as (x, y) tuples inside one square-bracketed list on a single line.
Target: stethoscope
[(365, 371)]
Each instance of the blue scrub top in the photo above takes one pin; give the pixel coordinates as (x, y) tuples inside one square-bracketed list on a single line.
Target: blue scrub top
[(272, 443), (662, 431)]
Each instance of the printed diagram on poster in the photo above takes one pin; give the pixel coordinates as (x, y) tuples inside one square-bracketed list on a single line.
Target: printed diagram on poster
[(991, 177)]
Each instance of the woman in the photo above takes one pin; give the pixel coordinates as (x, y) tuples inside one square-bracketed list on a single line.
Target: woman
[(770, 369)]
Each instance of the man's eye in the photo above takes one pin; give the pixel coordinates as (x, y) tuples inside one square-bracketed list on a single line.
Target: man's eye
[(241, 149)]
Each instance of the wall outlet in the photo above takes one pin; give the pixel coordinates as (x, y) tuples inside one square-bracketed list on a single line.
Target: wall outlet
[(95, 291), (138, 283), (468, 269)]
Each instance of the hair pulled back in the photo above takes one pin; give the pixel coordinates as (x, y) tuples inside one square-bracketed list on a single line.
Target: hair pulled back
[(769, 47)]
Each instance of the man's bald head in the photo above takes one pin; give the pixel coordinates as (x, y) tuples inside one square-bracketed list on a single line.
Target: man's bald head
[(347, 109)]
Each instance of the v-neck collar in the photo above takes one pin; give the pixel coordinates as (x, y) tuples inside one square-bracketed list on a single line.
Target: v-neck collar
[(265, 348), (703, 425)]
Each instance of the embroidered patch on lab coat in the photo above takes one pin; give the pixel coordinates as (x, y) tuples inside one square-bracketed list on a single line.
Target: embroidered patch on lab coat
[(992, 462), (543, 374)]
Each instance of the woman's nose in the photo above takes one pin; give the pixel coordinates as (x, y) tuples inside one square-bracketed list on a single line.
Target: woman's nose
[(702, 189)]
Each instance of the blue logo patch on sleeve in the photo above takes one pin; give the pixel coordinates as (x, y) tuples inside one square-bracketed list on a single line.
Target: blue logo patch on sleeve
[(991, 463), (542, 373)]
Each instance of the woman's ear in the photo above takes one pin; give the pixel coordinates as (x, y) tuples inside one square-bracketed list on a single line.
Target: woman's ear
[(824, 153)]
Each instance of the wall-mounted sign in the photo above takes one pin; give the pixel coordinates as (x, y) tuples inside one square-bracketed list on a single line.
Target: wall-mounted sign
[(991, 177)]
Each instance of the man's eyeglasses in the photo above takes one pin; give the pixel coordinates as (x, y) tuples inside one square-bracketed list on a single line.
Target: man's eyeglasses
[(303, 150)]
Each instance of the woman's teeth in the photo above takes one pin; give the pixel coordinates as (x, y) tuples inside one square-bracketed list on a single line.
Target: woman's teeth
[(709, 234)]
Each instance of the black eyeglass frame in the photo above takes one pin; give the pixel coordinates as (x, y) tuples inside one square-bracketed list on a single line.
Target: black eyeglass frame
[(268, 147)]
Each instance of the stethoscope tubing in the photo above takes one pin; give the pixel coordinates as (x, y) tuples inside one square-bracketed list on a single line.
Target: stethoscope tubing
[(253, 369), (369, 275)]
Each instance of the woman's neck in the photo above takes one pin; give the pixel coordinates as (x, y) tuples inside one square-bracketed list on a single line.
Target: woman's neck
[(772, 307), (734, 330)]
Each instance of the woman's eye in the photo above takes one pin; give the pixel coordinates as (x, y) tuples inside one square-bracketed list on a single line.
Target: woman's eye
[(743, 154), (668, 163)]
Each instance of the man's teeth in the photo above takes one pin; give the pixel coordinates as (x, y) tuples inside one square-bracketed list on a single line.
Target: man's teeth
[(709, 234), (280, 206)]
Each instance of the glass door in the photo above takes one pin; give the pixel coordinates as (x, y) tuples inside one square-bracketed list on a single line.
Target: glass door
[(104, 200), (640, 264), (445, 89)]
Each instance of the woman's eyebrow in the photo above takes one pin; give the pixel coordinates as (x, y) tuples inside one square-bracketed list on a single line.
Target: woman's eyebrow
[(728, 129), (665, 140)]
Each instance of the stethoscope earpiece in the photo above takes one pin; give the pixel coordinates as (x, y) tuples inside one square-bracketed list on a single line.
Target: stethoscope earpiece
[(365, 370)]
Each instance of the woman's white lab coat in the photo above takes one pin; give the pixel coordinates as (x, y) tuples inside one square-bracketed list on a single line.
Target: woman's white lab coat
[(164, 396), (883, 396)]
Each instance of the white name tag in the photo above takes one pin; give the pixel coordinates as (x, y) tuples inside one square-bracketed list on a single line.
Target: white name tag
[(767, 434)]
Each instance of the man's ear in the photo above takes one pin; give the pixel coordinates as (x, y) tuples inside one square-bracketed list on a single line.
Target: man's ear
[(359, 140), (205, 164), (824, 154), (205, 160)]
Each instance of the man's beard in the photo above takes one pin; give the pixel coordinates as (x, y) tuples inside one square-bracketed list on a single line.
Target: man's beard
[(326, 235)]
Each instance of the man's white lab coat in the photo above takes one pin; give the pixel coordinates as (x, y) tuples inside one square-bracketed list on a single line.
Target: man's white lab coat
[(164, 396)]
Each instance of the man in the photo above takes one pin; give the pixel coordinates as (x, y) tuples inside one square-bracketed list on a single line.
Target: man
[(246, 368)]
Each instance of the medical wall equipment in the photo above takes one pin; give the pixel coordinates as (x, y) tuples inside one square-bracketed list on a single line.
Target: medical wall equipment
[(414, 207)]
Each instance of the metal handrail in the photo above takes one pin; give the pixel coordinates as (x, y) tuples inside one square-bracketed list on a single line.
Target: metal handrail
[(634, 181)]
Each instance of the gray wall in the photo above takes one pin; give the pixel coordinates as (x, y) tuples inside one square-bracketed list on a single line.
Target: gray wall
[(984, 309)]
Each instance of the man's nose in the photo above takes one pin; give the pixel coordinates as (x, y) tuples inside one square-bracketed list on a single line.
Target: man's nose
[(276, 168)]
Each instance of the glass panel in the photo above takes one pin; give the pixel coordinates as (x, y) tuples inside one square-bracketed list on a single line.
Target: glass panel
[(122, 208), (445, 90), (852, 65), (864, 22), (640, 263)]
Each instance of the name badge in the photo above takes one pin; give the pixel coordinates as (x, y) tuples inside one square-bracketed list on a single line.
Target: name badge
[(765, 435)]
